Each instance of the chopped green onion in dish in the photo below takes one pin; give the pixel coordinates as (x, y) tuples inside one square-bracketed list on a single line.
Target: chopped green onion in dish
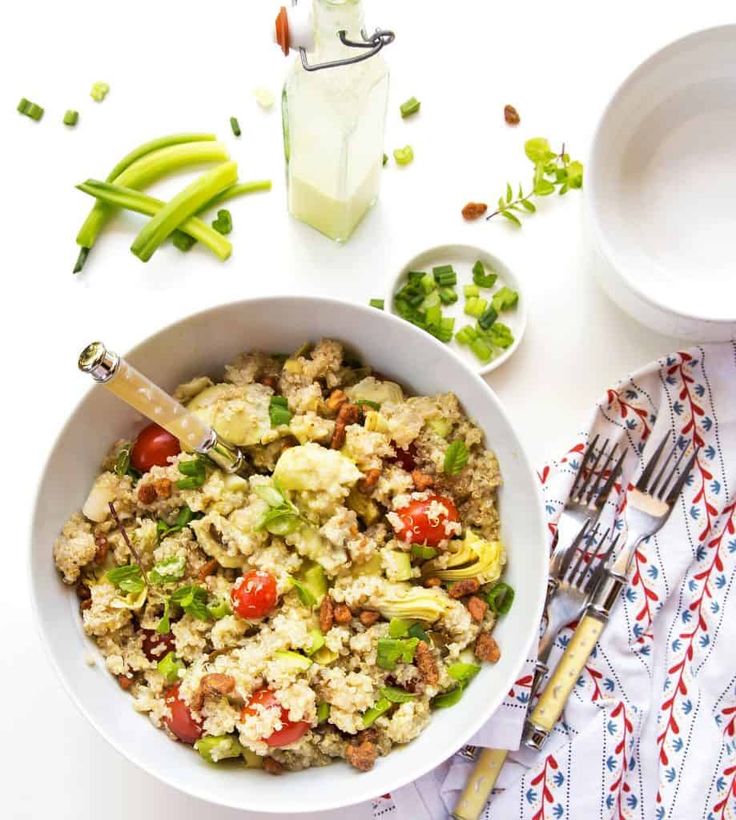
[(323, 712), (482, 349), (444, 275), (475, 306), (447, 698), (416, 631), (422, 552), (182, 241), (223, 224), (397, 695), (398, 627), (404, 156), (500, 598), (391, 651), (487, 318), (194, 473), (382, 706), (99, 91), (279, 411), (505, 299), (235, 126), (30, 109), (470, 291), (377, 303), (463, 672), (500, 335), (71, 118), (411, 106), (480, 277), (448, 296), (169, 667)]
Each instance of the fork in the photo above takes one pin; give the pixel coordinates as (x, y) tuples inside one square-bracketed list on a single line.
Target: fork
[(568, 590), (649, 505), (577, 581)]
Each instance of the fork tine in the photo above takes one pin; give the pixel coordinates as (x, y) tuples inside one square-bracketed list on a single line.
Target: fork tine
[(583, 490), (652, 489), (580, 563), (570, 551), (605, 491), (673, 473), (589, 453), (641, 484), (596, 574), (595, 489), (680, 483)]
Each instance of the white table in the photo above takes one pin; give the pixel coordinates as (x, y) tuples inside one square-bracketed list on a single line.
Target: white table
[(190, 66)]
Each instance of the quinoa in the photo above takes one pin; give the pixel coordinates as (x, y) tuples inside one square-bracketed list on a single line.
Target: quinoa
[(334, 525)]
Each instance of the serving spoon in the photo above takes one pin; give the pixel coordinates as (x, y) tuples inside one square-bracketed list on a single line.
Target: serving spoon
[(137, 390)]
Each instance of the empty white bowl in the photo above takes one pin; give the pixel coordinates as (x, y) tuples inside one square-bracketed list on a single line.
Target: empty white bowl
[(661, 189), (462, 258), (203, 343)]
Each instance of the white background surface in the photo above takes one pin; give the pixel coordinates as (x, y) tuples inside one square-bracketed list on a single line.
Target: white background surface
[(189, 66)]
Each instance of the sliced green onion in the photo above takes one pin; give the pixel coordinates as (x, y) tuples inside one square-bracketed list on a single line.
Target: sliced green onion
[(475, 306), (471, 290), (99, 91), (422, 552), (374, 405), (377, 303), (323, 712), (279, 411), (169, 667), (500, 335), (444, 275), (385, 158), (411, 106), (156, 145), (500, 598), (71, 117), (119, 196), (463, 672), (235, 125), (396, 695), (447, 698), (398, 627), (181, 207), (482, 349), (404, 156), (223, 224), (416, 631), (431, 300), (30, 109), (415, 276), (505, 299), (182, 241), (487, 318), (448, 296), (433, 315), (370, 717), (480, 278), (427, 282)]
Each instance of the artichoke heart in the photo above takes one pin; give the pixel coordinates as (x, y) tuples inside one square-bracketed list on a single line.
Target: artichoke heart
[(133, 600), (238, 413), (410, 602), (218, 538), (475, 558)]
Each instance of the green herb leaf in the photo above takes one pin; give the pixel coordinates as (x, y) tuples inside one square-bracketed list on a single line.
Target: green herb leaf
[(511, 218), (500, 598), (392, 650), (447, 699), (456, 457), (396, 695), (193, 600), (183, 517), (164, 625), (537, 149), (305, 594), (128, 578), (169, 570), (463, 672), (370, 717), (509, 193)]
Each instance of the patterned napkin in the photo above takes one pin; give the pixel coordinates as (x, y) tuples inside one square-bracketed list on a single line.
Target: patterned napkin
[(650, 729)]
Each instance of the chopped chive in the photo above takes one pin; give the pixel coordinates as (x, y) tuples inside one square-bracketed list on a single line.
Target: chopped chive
[(71, 117), (444, 275), (480, 277), (431, 300), (475, 306), (482, 349), (433, 315), (427, 282), (411, 106), (487, 318), (448, 296), (224, 222), (235, 125), (404, 156), (99, 91), (471, 290), (377, 303), (30, 109), (415, 275)]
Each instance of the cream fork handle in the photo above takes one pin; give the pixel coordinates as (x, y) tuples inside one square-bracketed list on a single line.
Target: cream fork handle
[(480, 784)]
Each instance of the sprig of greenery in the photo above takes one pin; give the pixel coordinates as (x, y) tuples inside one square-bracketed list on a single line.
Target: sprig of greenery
[(283, 516), (552, 173), (456, 457)]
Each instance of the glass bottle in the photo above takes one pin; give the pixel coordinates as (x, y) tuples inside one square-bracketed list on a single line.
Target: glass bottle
[(333, 121)]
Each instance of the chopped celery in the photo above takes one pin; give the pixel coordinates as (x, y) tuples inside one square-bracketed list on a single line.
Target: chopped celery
[(117, 195), (181, 207)]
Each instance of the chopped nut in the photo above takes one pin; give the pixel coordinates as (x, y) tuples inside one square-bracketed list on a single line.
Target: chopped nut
[(426, 664), (213, 685), (82, 591), (326, 614), (511, 115), (477, 608), (486, 648), (125, 682), (162, 487), (432, 581), (343, 615), (422, 481), (362, 756), (269, 381), (468, 586), (103, 547), (85, 604), (272, 766), (369, 481), (147, 493), (336, 400), (368, 617), (347, 414), (370, 734), (474, 210), (208, 568)]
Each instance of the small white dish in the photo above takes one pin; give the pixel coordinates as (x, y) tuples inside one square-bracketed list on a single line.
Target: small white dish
[(462, 258), (660, 189)]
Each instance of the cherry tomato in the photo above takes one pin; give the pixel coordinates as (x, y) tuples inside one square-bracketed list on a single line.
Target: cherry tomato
[(406, 459), (420, 525), (181, 722), (152, 448), (156, 646), (254, 594), (290, 730)]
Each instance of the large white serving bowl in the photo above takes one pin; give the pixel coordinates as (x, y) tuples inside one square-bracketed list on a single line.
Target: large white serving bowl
[(203, 343), (661, 189)]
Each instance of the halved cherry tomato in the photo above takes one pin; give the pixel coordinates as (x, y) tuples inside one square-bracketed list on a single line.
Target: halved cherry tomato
[(155, 646), (181, 722), (290, 730), (406, 459), (152, 448), (254, 594), (421, 525)]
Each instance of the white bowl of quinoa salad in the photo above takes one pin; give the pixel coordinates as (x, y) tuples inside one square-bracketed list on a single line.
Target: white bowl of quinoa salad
[(332, 624)]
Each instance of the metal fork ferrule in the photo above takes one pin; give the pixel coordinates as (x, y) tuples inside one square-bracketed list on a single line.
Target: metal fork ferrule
[(225, 455), (606, 594), (534, 736)]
